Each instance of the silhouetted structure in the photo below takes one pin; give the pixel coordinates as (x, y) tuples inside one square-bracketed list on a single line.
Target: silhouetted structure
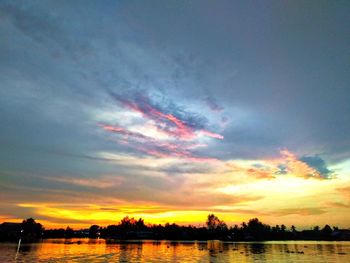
[(28, 231)]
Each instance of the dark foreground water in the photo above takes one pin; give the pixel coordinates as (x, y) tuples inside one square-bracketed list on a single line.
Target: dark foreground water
[(90, 250)]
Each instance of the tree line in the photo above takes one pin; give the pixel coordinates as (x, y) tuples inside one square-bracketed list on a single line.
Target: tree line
[(131, 228)]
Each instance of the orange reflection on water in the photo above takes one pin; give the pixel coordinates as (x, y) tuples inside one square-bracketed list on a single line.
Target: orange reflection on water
[(90, 250)]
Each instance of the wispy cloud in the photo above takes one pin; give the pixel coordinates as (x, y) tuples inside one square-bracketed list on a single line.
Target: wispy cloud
[(101, 183), (213, 105), (307, 211), (337, 204), (345, 191), (169, 118), (184, 130)]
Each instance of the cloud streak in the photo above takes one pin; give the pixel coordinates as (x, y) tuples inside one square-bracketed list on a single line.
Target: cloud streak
[(183, 130), (158, 148), (171, 120)]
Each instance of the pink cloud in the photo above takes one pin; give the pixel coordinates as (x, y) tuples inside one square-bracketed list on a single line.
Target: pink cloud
[(181, 130), (158, 148), (166, 122), (212, 134), (123, 131), (180, 133)]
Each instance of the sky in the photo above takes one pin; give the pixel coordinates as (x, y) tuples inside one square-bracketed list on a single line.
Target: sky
[(171, 110)]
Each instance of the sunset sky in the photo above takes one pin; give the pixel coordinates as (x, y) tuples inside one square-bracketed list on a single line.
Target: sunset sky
[(170, 110)]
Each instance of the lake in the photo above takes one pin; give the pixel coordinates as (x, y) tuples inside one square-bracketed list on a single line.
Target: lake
[(92, 250)]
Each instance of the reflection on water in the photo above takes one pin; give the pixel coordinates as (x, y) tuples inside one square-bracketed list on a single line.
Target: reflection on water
[(92, 250)]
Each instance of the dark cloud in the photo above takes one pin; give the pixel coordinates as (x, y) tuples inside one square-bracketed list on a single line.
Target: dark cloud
[(158, 111), (213, 105), (138, 53), (318, 164)]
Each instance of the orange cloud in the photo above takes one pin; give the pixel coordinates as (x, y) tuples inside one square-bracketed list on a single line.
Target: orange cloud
[(297, 167)]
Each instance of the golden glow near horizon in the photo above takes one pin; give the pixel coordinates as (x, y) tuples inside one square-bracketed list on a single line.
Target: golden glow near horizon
[(232, 189)]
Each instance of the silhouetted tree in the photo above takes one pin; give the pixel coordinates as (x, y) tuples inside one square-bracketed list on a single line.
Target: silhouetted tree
[(283, 228), (215, 224), (54, 233), (216, 228), (94, 231), (31, 229), (130, 228), (256, 229), (326, 232), (69, 232), (293, 228), (140, 224)]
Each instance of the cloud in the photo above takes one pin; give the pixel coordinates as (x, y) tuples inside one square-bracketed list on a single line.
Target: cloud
[(168, 130), (204, 200), (259, 172), (213, 105), (307, 211), (168, 117), (211, 134), (188, 168), (157, 147), (251, 212), (101, 183), (319, 164), (345, 191), (337, 204), (290, 163), (127, 133)]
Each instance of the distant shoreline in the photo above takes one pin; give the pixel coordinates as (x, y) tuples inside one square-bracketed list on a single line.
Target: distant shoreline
[(133, 229)]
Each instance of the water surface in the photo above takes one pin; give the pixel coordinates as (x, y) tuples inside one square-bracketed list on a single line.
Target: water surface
[(91, 250)]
